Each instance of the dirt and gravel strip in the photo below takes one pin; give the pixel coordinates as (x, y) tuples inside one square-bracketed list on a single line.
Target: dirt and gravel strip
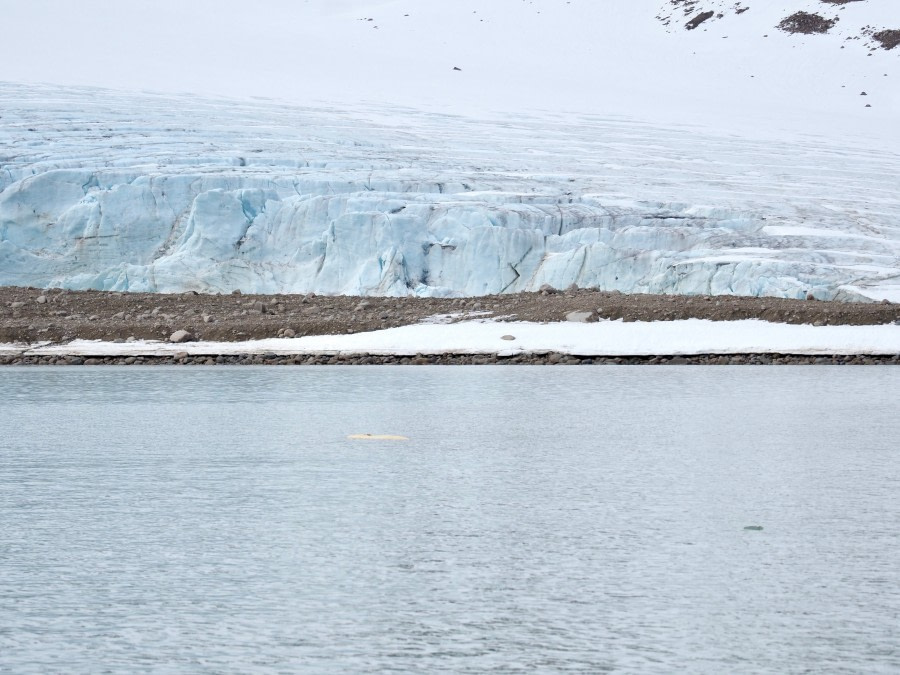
[(33, 315), (29, 316)]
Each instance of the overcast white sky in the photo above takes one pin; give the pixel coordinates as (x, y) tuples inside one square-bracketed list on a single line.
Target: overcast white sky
[(599, 56)]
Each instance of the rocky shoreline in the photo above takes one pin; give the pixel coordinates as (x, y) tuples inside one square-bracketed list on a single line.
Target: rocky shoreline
[(551, 359)]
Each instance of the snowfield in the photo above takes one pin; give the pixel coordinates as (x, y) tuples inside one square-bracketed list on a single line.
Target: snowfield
[(606, 57), (461, 153)]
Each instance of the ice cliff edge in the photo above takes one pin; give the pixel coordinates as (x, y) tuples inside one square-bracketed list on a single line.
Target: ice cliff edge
[(133, 193)]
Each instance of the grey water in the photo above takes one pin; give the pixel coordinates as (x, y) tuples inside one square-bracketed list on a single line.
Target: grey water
[(537, 520)]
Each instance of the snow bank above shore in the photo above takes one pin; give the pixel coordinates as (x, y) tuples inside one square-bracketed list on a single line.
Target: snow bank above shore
[(606, 338)]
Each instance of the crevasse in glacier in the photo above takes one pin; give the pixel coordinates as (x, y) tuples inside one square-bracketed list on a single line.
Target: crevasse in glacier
[(149, 193)]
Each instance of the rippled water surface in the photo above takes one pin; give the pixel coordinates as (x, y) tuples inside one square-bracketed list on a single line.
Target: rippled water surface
[(565, 519)]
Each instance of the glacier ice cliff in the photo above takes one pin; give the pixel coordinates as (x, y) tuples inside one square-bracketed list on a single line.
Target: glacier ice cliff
[(158, 193)]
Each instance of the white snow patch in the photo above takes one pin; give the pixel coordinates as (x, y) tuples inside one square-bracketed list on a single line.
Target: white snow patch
[(454, 317)]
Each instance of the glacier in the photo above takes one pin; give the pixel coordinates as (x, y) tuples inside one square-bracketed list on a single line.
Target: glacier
[(166, 193)]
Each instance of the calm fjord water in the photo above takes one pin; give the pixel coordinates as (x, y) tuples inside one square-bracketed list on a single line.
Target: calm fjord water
[(564, 519)]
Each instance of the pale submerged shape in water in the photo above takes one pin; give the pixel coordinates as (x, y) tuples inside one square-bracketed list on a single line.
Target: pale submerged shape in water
[(150, 193)]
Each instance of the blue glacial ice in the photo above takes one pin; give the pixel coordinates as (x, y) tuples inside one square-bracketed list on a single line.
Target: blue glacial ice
[(167, 194)]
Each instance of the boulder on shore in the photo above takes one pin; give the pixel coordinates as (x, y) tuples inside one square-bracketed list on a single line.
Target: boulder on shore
[(180, 336)]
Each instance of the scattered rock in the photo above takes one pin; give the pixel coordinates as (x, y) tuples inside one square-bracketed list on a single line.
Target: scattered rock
[(288, 333), (579, 317), (888, 38), (806, 23), (41, 299), (699, 19)]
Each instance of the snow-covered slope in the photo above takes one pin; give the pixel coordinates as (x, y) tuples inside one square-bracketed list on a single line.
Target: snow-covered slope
[(579, 141), (598, 56)]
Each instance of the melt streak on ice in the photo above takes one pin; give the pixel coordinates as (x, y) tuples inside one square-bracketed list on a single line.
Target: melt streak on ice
[(162, 193)]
